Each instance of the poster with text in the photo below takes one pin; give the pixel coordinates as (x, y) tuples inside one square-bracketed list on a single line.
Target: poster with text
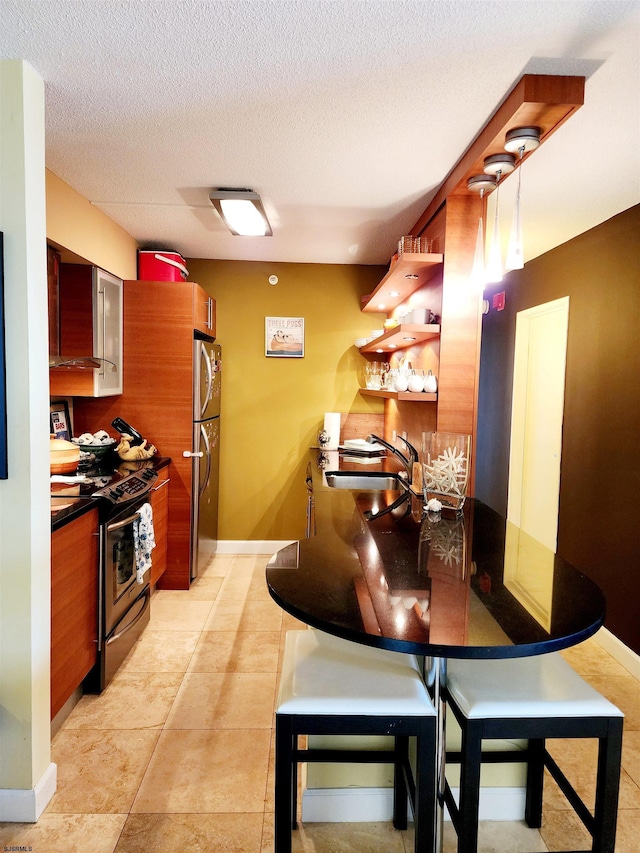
[(284, 337)]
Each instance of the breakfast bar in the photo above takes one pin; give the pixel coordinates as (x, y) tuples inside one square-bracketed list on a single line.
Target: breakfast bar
[(382, 573)]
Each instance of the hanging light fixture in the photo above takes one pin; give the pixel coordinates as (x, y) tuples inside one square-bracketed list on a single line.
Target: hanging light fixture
[(497, 165), (241, 211), (520, 140), (481, 184)]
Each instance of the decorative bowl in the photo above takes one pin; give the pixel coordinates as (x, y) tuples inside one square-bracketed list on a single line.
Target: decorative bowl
[(63, 456)]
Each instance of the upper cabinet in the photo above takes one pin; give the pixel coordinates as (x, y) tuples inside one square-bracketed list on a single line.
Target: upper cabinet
[(204, 311), (89, 360)]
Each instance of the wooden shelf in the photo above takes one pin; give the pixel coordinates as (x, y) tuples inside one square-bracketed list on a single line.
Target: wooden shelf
[(403, 396), (410, 272), (401, 337)]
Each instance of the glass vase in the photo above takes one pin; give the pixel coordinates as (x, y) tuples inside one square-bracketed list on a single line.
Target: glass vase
[(445, 468)]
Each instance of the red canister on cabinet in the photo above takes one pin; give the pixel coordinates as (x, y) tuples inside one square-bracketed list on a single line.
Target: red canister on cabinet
[(161, 266)]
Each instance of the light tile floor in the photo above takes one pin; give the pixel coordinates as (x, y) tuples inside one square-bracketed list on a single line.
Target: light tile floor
[(177, 753)]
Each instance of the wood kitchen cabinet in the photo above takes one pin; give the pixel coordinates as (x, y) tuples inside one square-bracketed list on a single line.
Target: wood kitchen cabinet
[(74, 605), (159, 500), (204, 311), (90, 325), (157, 399)]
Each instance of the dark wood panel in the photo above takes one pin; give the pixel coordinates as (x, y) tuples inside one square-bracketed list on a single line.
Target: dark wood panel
[(74, 606)]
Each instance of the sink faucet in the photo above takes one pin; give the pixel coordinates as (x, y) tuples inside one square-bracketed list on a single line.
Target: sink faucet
[(407, 462)]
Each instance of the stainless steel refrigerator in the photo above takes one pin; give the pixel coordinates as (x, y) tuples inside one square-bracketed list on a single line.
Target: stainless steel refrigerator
[(207, 360)]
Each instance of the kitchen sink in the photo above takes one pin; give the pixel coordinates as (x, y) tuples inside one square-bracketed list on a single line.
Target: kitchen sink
[(364, 481)]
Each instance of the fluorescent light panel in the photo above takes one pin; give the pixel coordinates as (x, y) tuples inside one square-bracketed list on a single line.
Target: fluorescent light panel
[(241, 211)]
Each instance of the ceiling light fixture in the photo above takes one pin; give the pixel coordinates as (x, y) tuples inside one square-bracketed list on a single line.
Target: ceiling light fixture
[(522, 140), (481, 184), (497, 165), (241, 211)]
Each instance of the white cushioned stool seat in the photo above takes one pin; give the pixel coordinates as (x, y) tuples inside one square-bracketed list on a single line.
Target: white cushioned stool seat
[(531, 698), (540, 686), (330, 686), (322, 674)]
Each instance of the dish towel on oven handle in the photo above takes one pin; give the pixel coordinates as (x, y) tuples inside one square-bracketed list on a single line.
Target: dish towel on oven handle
[(144, 540)]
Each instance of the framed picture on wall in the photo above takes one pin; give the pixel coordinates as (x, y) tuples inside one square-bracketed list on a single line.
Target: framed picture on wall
[(4, 473), (284, 337), (59, 420)]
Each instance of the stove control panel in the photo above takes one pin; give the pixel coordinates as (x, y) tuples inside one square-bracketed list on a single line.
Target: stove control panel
[(132, 486)]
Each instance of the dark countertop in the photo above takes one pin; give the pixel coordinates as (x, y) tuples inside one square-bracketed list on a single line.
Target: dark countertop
[(70, 501), (469, 586)]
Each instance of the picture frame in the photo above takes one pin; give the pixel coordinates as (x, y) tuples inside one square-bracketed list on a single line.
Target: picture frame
[(284, 337), (4, 462), (59, 420)]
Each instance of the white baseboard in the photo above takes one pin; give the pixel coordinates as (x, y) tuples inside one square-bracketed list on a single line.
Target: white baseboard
[(617, 649), (368, 805), (251, 546), (26, 806)]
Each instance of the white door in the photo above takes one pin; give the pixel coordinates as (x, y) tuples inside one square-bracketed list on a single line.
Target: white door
[(536, 419)]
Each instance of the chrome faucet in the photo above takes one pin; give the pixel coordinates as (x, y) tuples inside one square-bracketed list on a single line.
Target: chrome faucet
[(407, 462)]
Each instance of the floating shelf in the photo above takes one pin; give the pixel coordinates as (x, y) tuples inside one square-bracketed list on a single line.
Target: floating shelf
[(403, 396), (401, 337), (410, 272)]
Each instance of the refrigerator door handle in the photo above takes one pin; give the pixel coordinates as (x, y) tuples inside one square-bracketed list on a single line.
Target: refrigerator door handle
[(207, 452), (207, 396)]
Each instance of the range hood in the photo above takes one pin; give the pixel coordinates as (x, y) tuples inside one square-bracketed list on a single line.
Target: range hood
[(80, 362)]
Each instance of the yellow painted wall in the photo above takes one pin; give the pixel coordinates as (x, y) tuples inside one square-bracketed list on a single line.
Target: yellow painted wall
[(75, 224), (272, 408)]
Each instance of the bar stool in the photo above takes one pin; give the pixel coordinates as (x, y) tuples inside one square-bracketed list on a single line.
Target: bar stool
[(532, 698), (331, 686)]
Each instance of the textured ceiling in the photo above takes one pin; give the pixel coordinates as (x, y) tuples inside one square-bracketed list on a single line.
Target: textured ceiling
[(345, 116)]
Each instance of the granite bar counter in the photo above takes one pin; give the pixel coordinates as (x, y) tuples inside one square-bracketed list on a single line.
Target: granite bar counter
[(442, 585)]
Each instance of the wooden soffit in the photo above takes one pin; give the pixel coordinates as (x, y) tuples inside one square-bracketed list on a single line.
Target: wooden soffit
[(537, 100)]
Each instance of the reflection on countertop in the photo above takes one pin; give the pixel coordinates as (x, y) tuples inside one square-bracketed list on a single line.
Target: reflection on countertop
[(451, 585)]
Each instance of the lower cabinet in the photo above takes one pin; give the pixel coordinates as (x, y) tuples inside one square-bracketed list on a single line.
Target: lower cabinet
[(159, 500), (74, 605)]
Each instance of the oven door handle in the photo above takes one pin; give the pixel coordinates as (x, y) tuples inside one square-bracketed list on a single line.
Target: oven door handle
[(119, 524), (130, 625)]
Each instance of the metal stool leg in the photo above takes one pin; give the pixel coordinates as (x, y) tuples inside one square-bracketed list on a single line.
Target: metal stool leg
[(535, 782), (426, 788), (400, 794), (470, 787), (607, 789), (284, 794)]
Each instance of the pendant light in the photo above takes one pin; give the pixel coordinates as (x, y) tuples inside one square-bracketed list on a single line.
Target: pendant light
[(520, 139), (481, 184), (497, 165)]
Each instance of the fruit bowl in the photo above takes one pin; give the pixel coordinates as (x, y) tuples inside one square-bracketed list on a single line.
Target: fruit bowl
[(94, 445)]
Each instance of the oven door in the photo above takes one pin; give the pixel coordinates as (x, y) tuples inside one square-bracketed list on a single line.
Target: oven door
[(119, 583)]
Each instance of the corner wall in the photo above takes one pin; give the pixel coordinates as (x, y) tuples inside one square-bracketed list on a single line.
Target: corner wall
[(272, 408), (600, 468), (27, 776)]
